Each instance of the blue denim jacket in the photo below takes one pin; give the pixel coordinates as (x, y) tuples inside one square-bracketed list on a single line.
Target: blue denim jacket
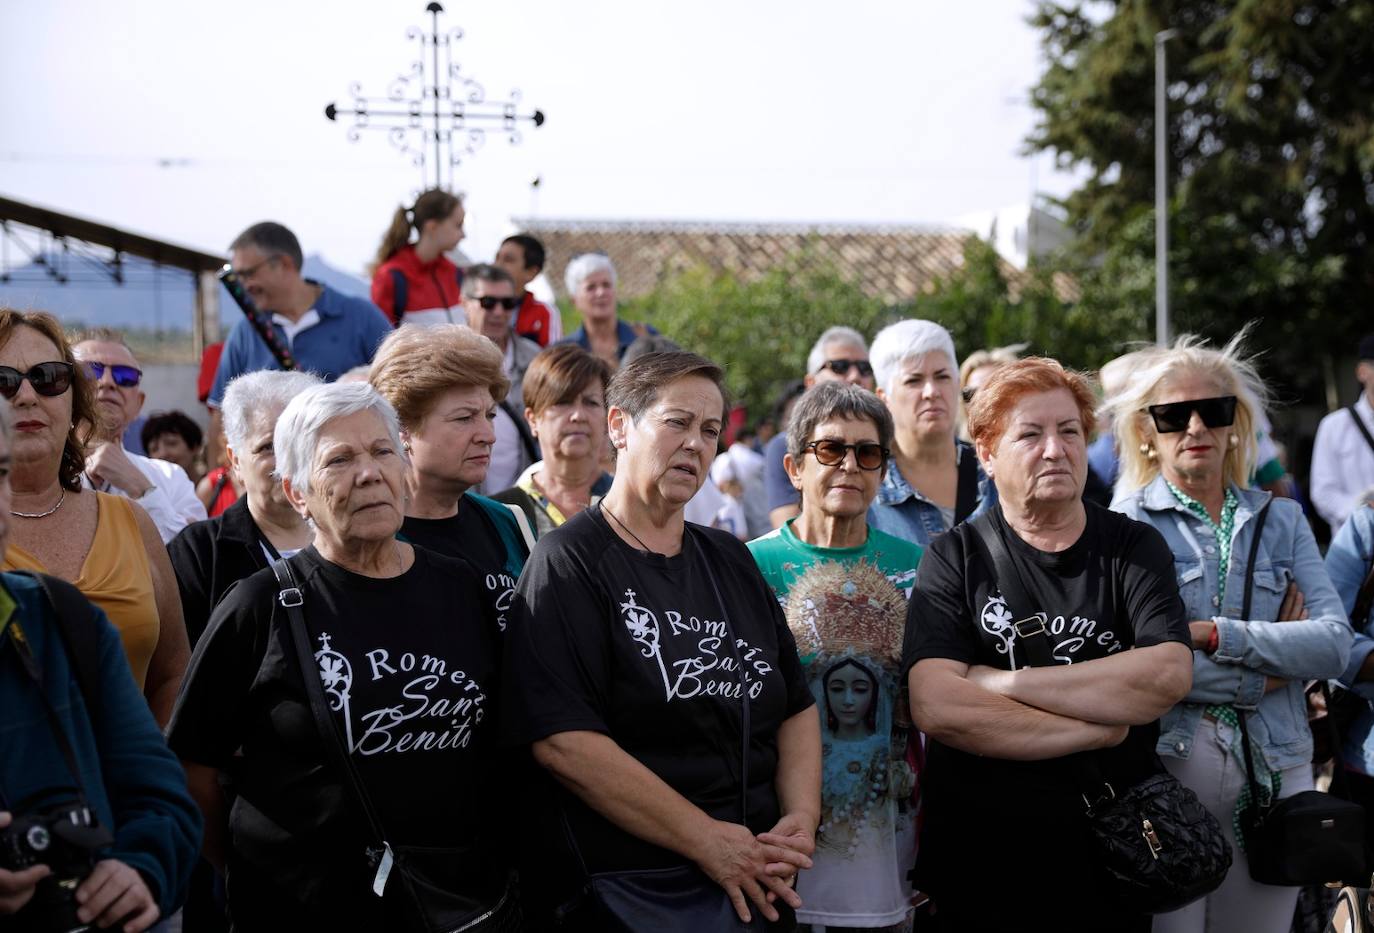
[(1347, 561), (901, 511), (1249, 650)]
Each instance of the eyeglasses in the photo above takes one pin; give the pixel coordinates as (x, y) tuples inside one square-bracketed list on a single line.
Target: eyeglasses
[(968, 393), (126, 377), (246, 275), (490, 301), (1172, 417), (840, 367), (50, 379), (868, 455)]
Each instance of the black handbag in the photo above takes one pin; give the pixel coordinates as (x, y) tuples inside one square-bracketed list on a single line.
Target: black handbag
[(1310, 837), (682, 898), (1158, 848), (422, 872)]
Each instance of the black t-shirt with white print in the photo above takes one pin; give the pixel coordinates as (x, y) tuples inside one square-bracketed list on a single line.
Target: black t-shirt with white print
[(410, 666), (634, 645), (471, 536), (1112, 590)]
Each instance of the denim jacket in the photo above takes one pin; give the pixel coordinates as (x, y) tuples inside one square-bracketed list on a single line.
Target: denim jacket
[(1248, 650), (1347, 561), (901, 511)]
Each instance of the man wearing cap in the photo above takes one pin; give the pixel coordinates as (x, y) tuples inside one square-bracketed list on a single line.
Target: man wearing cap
[(1343, 454)]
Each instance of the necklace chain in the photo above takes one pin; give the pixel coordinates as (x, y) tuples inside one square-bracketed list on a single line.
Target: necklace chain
[(50, 511), (627, 528)]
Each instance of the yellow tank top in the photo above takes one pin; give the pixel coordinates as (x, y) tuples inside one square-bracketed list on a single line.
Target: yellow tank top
[(116, 577)]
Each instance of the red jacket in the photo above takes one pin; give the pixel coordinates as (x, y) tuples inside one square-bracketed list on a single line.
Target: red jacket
[(538, 322), (428, 293)]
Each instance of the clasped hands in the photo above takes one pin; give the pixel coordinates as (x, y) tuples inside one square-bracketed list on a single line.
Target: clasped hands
[(760, 868)]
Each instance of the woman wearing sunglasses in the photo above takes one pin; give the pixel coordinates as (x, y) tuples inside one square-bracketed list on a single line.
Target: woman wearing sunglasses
[(1185, 425), (844, 588), (105, 545)]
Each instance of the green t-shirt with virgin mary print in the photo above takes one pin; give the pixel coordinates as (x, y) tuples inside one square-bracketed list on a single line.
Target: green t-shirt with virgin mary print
[(846, 608)]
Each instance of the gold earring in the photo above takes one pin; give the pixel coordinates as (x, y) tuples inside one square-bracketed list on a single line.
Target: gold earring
[(1232, 441), (1147, 450)]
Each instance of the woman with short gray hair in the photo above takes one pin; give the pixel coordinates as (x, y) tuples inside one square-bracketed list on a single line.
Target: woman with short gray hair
[(844, 588), (934, 481), (591, 282), (396, 826), (652, 675), (260, 527)]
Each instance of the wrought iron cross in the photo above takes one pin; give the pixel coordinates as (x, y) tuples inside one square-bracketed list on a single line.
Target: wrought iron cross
[(429, 106)]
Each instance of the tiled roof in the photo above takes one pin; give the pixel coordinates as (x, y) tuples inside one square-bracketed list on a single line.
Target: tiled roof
[(895, 263)]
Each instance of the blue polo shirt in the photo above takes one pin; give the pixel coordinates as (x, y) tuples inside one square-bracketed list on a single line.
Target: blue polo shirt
[(346, 336), (624, 335)]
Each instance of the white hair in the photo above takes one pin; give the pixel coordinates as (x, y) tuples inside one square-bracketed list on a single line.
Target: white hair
[(838, 334), (298, 428), (253, 395), (897, 343), (583, 266)]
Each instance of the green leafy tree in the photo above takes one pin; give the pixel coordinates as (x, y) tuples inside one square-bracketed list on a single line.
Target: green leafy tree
[(760, 330), (1271, 159)]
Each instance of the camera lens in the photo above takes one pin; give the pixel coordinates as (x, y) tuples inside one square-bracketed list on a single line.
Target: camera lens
[(38, 839)]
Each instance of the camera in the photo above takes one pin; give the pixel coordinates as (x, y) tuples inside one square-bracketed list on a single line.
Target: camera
[(65, 837)]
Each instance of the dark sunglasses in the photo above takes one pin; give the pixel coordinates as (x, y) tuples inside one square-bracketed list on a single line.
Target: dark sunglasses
[(48, 379), (490, 301), (868, 456), (126, 377), (968, 393), (840, 367), (1170, 418)]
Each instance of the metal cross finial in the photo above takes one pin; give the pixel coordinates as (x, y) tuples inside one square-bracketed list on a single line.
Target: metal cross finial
[(432, 112)]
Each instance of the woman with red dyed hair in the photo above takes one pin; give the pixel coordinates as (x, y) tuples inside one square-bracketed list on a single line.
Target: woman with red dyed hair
[(1086, 590)]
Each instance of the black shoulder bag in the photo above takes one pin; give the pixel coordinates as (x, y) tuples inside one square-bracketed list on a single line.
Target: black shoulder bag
[(422, 871), (1310, 837), (1158, 847), (681, 899)]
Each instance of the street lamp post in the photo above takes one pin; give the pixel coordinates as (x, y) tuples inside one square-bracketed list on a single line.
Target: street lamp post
[(1161, 191)]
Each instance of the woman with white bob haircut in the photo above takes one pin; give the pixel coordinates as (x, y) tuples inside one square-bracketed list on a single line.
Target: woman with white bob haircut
[(934, 481), (261, 526), (372, 799), (591, 282)]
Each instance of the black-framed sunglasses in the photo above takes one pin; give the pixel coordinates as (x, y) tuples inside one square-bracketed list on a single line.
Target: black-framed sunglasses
[(968, 393), (868, 455), (841, 367), (1172, 417), (126, 377), (490, 301), (50, 379)]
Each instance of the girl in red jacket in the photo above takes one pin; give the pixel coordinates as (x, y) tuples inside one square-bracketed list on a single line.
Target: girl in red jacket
[(415, 283)]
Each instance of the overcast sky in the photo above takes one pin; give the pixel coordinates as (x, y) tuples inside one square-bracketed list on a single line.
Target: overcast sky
[(894, 111)]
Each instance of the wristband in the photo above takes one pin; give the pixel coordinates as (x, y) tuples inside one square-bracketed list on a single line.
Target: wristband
[(1214, 640)]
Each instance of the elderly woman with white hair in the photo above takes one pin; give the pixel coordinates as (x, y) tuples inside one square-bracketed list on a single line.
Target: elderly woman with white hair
[(591, 282), (1185, 426), (261, 526), (934, 481), (369, 798)]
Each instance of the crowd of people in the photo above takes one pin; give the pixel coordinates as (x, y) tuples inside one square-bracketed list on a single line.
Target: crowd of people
[(459, 624)]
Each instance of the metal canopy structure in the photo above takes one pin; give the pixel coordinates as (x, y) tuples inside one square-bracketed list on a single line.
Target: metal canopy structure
[(96, 248)]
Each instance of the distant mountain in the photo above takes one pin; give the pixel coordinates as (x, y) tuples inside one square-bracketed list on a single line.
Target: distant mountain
[(150, 298)]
